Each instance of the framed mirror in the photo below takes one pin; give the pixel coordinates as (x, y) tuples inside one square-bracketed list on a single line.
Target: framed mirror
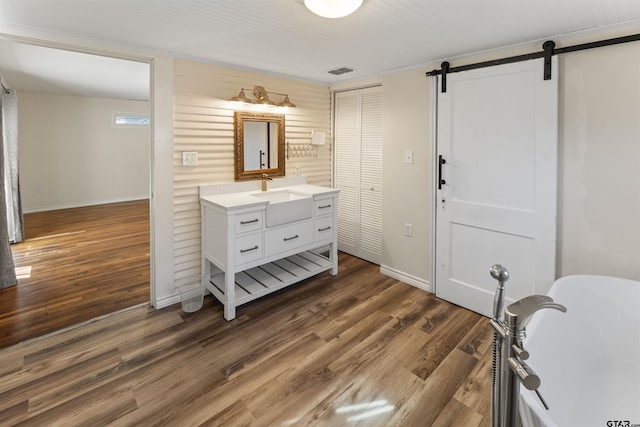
[(259, 145)]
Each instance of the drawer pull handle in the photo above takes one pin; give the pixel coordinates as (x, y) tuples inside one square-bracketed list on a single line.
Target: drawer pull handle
[(324, 207), (242, 251), (324, 229), (286, 239), (249, 222)]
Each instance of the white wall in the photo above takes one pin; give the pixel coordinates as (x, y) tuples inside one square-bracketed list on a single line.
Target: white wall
[(162, 215), (599, 163), (406, 195), (70, 155), (599, 173)]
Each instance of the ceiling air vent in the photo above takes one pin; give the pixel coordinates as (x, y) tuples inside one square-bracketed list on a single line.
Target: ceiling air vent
[(341, 70)]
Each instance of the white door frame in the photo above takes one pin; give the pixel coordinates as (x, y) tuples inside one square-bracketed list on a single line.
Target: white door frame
[(161, 254), (433, 150)]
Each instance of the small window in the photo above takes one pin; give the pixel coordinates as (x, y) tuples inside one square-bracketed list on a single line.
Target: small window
[(130, 119)]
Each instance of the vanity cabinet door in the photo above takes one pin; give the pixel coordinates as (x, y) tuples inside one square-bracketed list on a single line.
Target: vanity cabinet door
[(324, 207), (248, 248), (323, 228), (249, 221), (288, 237)]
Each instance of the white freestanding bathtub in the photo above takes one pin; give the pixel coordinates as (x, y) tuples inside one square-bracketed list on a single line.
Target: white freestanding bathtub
[(588, 359)]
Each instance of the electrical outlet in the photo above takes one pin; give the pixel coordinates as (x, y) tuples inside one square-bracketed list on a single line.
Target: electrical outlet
[(296, 170), (408, 229), (189, 158)]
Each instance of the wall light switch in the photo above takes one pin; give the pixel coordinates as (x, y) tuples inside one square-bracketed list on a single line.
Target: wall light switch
[(408, 156), (408, 229), (189, 158)]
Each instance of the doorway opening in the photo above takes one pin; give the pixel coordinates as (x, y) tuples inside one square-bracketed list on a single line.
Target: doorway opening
[(85, 186)]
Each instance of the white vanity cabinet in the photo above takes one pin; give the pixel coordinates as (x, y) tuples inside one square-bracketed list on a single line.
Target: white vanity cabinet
[(243, 259)]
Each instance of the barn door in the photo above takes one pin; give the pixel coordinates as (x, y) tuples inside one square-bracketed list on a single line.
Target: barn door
[(496, 203)]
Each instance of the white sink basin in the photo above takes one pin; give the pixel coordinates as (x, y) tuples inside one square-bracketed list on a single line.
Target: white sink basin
[(286, 206), (278, 196)]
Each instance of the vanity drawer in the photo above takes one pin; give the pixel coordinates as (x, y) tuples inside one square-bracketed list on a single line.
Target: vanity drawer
[(323, 206), (249, 221), (248, 248), (289, 237), (323, 228)]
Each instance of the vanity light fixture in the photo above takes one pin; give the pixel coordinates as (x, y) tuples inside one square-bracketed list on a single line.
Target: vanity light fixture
[(286, 102), (242, 98), (262, 97), (333, 8)]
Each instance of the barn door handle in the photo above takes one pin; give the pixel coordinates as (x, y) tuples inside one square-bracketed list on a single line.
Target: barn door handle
[(441, 182)]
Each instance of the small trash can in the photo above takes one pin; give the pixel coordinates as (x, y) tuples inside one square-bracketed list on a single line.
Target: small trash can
[(192, 297)]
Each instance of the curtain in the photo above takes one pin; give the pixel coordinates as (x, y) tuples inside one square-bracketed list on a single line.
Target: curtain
[(7, 269), (12, 185)]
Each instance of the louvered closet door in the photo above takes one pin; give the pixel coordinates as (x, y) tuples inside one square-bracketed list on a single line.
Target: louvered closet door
[(358, 172), (370, 226), (347, 168)]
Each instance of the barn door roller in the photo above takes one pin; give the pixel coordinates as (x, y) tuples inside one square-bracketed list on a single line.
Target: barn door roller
[(445, 70), (548, 47)]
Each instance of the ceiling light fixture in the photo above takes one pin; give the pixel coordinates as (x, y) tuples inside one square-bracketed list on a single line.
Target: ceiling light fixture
[(333, 8), (262, 97)]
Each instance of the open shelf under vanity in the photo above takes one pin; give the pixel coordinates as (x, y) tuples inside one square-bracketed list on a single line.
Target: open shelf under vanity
[(264, 279)]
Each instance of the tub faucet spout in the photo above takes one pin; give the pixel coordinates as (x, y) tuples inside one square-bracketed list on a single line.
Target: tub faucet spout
[(517, 313)]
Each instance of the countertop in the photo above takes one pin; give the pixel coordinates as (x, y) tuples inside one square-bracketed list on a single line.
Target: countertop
[(245, 199)]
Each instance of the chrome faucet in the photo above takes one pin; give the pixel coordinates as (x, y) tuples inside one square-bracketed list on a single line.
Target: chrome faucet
[(508, 349), (517, 313), (513, 367), (265, 178)]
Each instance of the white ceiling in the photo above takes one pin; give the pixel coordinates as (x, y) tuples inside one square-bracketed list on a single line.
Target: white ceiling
[(42, 69), (282, 37)]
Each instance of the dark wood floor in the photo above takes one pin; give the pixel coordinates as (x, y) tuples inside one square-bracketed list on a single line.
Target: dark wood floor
[(356, 349), (75, 265)]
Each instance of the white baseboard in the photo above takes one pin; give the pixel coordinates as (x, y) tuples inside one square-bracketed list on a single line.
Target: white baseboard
[(84, 204), (174, 298), (168, 300), (406, 278)]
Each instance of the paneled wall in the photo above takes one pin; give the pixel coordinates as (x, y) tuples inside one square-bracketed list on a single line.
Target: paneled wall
[(203, 122)]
